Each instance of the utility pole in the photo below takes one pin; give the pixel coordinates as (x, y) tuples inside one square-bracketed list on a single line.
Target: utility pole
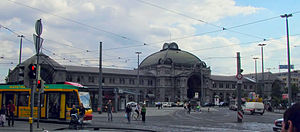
[(20, 55), (256, 83), (262, 69), (239, 77), (100, 80), (286, 16), (138, 74)]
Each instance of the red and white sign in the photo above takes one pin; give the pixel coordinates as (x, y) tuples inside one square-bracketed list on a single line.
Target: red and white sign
[(240, 115), (239, 76)]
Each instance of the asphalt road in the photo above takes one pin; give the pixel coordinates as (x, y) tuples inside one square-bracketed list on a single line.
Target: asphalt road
[(170, 119)]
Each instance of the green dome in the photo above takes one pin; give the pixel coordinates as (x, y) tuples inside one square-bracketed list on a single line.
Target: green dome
[(171, 54)]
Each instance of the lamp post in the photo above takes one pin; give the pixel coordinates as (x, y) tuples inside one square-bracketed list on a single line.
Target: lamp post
[(256, 87), (138, 74), (262, 69), (286, 16)]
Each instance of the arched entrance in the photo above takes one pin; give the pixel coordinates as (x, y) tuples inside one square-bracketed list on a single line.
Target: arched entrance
[(194, 85)]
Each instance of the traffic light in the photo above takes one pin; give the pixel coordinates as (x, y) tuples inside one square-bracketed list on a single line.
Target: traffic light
[(32, 71), (40, 84), (21, 72)]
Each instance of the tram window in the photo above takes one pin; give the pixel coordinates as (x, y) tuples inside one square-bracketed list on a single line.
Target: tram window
[(36, 100), (72, 98), (23, 99)]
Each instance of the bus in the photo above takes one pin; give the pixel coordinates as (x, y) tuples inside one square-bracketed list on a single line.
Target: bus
[(56, 100)]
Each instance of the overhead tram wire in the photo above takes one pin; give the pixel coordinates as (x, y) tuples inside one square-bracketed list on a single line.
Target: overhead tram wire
[(223, 28), (95, 28), (79, 23)]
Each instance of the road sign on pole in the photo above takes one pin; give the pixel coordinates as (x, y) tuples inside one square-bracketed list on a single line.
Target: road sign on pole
[(239, 76), (38, 27)]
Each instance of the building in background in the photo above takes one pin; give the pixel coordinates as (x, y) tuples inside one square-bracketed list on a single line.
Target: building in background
[(168, 75)]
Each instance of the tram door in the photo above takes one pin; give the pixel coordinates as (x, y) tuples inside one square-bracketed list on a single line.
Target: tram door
[(53, 105)]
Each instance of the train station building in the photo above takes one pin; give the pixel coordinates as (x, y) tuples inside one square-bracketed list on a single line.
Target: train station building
[(164, 76)]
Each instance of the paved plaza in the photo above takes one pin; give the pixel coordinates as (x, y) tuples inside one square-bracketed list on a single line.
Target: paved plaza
[(168, 119)]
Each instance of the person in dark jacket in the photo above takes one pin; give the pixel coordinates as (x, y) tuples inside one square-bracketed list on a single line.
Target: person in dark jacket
[(109, 110), (128, 112), (81, 112), (73, 110), (143, 112), (11, 108)]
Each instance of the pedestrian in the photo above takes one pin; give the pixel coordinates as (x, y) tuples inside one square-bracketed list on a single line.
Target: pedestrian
[(198, 108), (143, 113), (138, 110), (73, 110), (189, 107), (128, 112), (2, 115), (291, 119), (11, 109), (109, 111), (81, 112)]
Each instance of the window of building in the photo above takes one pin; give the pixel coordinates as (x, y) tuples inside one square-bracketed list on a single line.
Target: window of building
[(221, 85), (214, 85), (122, 80), (141, 81), (150, 82), (227, 85), (78, 79), (250, 86), (131, 81), (91, 79), (111, 80), (158, 82), (245, 87), (233, 86), (69, 78)]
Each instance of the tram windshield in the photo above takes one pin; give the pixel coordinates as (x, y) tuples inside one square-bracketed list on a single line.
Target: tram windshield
[(85, 99)]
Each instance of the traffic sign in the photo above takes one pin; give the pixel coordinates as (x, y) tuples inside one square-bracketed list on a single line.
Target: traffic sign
[(38, 27), (239, 76)]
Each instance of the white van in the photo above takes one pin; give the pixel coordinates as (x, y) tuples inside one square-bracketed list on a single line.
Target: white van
[(253, 107)]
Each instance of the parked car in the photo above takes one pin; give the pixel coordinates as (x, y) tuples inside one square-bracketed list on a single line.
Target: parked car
[(133, 104), (166, 104), (223, 104), (253, 107), (208, 104), (278, 125)]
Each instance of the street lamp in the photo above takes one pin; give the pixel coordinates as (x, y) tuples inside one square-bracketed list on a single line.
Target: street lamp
[(255, 60), (262, 68), (138, 73), (286, 16)]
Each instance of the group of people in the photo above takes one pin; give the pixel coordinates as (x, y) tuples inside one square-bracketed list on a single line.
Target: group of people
[(7, 111), (81, 111), (141, 111)]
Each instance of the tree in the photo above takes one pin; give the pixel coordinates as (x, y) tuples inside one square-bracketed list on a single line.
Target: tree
[(276, 93)]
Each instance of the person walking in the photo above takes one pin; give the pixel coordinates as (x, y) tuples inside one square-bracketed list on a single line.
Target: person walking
[(138, 110), (2, 115), (143, 113), (109, 110), (81, 112), (189, 107), (11, 109), (128, 112)]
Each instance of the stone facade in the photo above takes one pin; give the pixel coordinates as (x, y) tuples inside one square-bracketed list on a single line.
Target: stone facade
[(165, 76)]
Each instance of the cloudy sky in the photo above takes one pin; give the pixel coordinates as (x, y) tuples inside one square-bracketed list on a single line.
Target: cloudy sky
[(72, 30)]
